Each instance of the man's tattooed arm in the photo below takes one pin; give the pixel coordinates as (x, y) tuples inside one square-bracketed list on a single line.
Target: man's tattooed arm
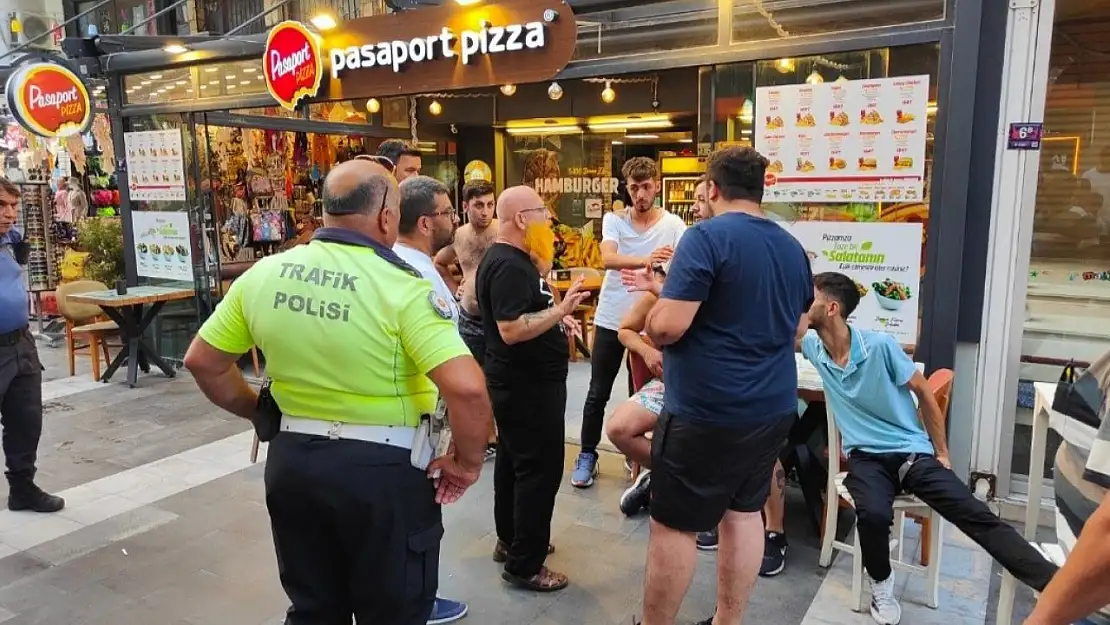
[(530, 325)]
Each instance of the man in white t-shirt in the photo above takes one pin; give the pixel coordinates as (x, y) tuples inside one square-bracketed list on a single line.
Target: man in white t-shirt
[(630, 239), (427, 225)]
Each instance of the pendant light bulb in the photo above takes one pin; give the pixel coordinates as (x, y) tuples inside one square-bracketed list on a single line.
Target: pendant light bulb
[(554, 91), (814, 78), (508, 89), (607, 94), (373, 106), (435, 108)]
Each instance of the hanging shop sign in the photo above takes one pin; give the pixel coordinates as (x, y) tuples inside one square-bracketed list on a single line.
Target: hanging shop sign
[(293, 66), (49, 100), (446, 47), (851, 141)]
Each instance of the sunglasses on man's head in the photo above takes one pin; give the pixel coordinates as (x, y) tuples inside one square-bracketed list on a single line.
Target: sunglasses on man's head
[(375, 158)]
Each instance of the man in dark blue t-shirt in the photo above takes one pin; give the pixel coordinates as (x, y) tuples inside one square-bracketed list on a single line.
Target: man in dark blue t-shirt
[(728, 319)]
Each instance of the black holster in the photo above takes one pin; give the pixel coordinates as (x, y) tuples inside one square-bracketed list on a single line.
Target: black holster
[(21, 251), (267, 415)]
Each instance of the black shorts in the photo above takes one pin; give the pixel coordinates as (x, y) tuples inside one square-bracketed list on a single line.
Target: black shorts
[(698, 470)]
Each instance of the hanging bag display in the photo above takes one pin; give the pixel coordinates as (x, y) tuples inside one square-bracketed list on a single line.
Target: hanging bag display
[(1081, 395), (268, 226)]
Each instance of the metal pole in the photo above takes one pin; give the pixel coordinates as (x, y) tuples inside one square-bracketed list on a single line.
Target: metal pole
[(155, 16), (51, 31), (255, 18)]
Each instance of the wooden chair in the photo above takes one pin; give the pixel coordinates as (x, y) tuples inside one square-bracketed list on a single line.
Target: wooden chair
[(904, 506), (641, 375), (85, 320), (585, 312)]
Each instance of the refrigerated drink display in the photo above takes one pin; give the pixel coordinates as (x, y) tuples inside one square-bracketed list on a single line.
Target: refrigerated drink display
[(678, 196)]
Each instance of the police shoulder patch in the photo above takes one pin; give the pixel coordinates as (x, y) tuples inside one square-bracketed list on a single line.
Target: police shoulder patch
[(440, 305)]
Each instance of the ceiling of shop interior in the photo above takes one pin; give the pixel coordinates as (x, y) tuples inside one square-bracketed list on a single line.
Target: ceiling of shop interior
[(1073, 9)]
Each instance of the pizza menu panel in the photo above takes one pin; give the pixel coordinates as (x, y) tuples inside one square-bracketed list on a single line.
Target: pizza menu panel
[(848, 141)]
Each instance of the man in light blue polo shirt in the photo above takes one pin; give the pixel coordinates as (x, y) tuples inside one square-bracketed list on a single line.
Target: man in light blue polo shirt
[(20, 371), (870, 385)]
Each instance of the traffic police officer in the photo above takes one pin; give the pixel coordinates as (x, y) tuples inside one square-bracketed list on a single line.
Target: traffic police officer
[(357, 345), (20, 370)]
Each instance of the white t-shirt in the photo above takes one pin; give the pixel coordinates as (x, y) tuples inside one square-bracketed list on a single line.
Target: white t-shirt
[(615, 301), (423, 263)]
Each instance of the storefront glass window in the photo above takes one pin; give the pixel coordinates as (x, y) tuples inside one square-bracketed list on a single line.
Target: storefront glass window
[(205, 81), (763, 20), (1067, 310), (649, 26), (735, 105)]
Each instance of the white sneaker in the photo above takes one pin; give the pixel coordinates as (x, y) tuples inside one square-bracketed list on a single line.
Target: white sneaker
[(885, 608)]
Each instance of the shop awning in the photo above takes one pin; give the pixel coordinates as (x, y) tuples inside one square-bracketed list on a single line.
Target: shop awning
[(123, 54)]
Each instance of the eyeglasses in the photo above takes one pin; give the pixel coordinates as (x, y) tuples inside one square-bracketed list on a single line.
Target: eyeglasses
[(453, 213), (537, 208), (374, 158)]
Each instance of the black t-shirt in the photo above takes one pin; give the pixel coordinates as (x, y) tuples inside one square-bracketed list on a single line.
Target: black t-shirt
[(509, 286)]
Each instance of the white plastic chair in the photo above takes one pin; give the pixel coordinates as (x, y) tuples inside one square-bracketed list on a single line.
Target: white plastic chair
[(836, 491)]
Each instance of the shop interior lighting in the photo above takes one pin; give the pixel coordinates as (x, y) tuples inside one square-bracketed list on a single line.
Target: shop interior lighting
[(229, 77), (785, 66), (213, 82), (145, 83), (617, 142), (155, 77), (607, 94), (249, 70), (435, 108), (841, 78), (323, 21), (747, 111), (181, 82), (373, 106), (815, 78), (555, 91), (508, 90), (176, 48), (931, 108), (556, 126), (467, 2), (212, 69), (204, 86), (685, 140), (646, 122), (244, 82), (641, 136)]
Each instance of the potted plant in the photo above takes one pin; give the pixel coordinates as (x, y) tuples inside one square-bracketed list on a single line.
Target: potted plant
[(102, 238)]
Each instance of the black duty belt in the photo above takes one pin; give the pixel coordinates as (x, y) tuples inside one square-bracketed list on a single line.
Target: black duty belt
[(7, 339)]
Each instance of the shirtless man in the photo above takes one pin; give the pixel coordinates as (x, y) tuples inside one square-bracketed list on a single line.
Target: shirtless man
[(471, 242)]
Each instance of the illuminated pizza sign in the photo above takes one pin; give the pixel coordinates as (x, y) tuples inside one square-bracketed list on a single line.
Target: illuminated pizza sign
[(49, 100), (292, 65)]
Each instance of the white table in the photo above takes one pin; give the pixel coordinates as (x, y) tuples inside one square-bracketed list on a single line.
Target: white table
[(1043, 416)]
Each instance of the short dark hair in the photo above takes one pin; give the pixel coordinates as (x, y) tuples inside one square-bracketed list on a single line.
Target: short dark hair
[(738, 173), (367, 198), (394, 149), (418, 199), (640, 168), (840, 288), (475, 189), (7, 186)]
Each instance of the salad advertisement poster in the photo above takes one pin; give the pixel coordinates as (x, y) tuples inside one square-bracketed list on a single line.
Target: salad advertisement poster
[(155, 165), (846, 141), (884, 260), (163, 248)]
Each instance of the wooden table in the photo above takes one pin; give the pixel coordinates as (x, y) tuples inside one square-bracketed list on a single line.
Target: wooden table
[(127, 312), (591, 284)]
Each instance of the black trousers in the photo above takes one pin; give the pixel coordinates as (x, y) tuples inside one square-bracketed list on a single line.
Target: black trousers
[(20, 404), (605, 363), (528, 469), (356, 530), (873, 483)]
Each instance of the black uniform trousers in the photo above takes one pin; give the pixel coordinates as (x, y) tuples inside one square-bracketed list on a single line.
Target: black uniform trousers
[(528, 469), (873, 483), (20, 404), (356, 530)]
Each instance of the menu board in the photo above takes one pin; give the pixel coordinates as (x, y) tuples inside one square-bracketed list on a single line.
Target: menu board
[(155, 165), (163, 247), (847, 141), (884, 260)]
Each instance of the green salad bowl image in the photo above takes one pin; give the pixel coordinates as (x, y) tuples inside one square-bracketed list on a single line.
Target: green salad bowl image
[(891, 294)]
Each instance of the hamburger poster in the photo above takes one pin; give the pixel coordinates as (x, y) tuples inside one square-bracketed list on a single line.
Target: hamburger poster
[(844, 141)]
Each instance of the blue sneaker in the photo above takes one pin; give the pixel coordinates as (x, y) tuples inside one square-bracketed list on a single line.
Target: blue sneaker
[(447, 611), (585, 470)]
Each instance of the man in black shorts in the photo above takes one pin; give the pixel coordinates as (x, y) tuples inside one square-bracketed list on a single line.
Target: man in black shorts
[(728, 319)]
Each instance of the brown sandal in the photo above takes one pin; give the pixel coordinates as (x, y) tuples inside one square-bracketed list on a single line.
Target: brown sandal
[(501, 552), (544, 581)]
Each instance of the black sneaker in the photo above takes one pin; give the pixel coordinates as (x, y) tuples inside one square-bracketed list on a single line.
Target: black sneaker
[(774, 555), (491, 452), (707, 541), (31, 497), (636, 496)]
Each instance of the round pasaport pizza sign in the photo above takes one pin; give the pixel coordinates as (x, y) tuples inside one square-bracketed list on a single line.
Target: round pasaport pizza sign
[(292, 65), (49, 100)]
